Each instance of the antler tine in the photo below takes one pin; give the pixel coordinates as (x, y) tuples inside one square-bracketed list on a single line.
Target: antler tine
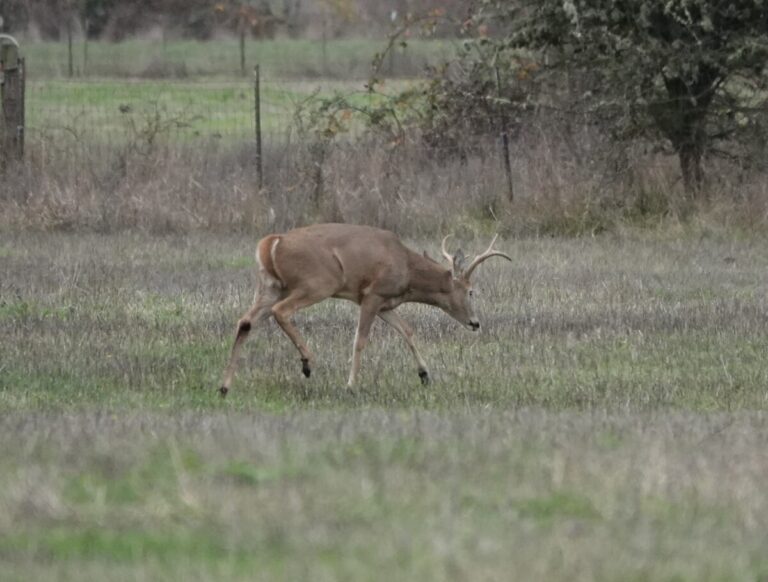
[(489, 252), (493, 242), (446, 254)]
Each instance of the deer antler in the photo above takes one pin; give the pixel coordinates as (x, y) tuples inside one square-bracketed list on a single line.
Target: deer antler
[(446, 254), (482, 257)]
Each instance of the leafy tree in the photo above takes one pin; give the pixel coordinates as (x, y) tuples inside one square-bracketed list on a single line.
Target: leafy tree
[(13, 15), (691, 71)]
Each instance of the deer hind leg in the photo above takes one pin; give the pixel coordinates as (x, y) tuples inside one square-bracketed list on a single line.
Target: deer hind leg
[(284, 310), (406, 331), (267, 294), (369, 308)]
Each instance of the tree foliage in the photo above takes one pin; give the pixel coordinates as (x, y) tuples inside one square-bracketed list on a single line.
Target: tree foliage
[(687, 76), (690, 71)]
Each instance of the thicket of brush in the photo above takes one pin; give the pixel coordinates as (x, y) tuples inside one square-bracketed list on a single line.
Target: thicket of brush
[(564, 183), (641, 114)]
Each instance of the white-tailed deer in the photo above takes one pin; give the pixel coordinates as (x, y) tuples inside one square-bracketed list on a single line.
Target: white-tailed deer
[(366, 265)]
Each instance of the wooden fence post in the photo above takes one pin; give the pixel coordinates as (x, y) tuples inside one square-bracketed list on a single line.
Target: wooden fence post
[(12, 77)]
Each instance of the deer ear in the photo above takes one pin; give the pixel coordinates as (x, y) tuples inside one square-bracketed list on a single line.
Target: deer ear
[(458, 263)]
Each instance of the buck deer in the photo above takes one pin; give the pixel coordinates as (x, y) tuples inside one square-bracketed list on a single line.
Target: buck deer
[(369, 266)]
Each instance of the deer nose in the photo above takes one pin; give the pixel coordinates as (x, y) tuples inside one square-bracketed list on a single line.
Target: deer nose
[(474, 324)]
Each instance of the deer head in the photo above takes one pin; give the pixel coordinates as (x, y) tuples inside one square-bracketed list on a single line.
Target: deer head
[(458, 300)]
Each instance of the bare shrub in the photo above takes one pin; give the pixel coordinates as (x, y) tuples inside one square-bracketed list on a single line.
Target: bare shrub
[(568, 181), (175, 188)]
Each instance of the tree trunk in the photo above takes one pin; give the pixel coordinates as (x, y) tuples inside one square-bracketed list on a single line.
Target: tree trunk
[(690, 166), (682, 118)]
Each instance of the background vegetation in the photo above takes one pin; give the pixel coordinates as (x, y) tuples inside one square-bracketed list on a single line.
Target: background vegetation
[(203, 19), (553, 117)]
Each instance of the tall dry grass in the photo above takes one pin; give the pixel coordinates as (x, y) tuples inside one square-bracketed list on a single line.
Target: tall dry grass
[(563, 185)]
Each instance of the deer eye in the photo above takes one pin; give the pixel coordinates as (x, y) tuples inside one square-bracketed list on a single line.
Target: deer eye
[(471, 292)]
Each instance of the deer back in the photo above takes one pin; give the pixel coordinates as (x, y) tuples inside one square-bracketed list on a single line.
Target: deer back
[(340, 260)]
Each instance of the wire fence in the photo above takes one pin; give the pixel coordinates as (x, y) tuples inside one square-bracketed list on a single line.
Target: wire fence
[(83, 114), (136, 94), (93, 116), (297, 59), (113, 111), (118, 151)]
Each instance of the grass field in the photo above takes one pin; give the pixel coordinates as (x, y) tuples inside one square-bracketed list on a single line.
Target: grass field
[(608, 422), (190, 89), (91, 113), (112, 110), (280, 58)]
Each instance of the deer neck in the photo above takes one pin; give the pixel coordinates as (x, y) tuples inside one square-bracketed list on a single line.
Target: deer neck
[(427, 281)]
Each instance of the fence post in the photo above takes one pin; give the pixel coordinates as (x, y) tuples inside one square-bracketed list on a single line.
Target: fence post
[(324, 45), (21, 125), (242, 49), (505, 141), (12, 77), (85, 46), (257, 120), (70, 56)]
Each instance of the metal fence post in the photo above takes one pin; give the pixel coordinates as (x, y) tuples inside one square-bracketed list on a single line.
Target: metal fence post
[(257, 121), (505, 142), (70, 55), (85, 47), (324, 45), (242, 49)]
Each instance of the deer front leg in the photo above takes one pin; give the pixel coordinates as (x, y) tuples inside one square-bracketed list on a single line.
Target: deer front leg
[(406, 331), (258, 312), (369, 308)]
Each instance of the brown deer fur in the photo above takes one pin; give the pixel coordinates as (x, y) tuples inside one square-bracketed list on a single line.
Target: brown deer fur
[(367, 265)]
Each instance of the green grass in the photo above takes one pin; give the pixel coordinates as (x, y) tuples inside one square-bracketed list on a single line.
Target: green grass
[(372, 494), (280, 58), (132, 91), (607, 423), (105, 112), (645, 324)]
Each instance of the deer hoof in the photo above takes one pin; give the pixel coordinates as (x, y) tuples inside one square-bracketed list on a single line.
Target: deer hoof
[(223, 391), (424, 375), (305, 369)]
